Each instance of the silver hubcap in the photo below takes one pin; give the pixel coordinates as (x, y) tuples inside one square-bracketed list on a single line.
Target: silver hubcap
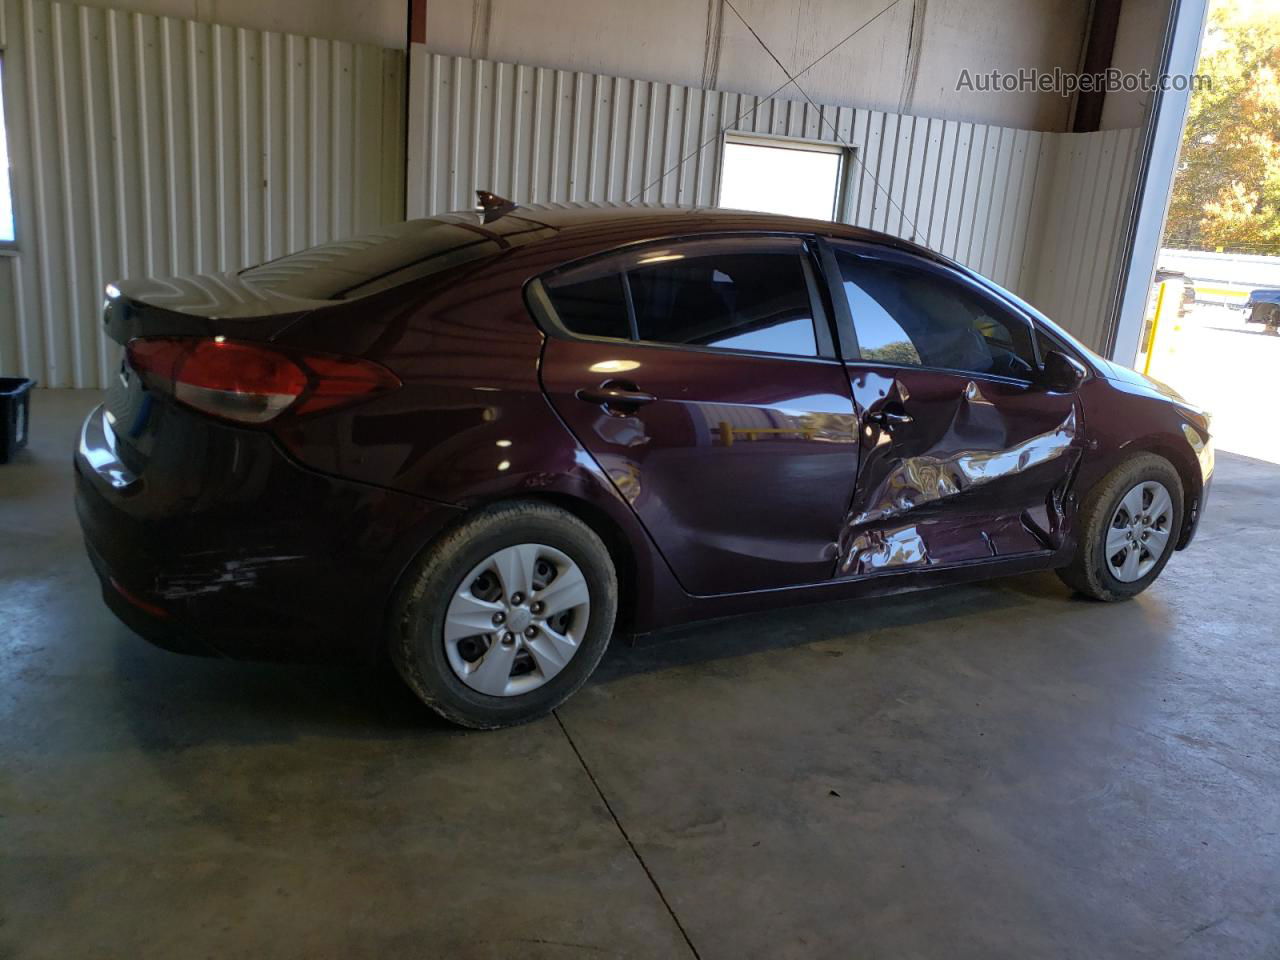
[(516, 620), (1139, 531)]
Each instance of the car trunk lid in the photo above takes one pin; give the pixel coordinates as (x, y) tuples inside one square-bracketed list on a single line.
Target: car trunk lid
[(258, 304)]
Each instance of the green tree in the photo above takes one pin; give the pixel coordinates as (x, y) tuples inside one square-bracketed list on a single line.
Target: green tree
[(1227, 192)]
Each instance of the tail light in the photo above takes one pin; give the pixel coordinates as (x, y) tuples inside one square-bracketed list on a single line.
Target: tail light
[(250, 382)]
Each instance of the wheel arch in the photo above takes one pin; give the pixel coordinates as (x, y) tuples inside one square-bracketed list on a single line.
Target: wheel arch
[(615, 539), (1176, 451)]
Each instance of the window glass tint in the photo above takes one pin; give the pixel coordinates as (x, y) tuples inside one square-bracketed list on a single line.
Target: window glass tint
[(1046, 344), (911, 316), (592, 307), (880, 337), (738, 301)]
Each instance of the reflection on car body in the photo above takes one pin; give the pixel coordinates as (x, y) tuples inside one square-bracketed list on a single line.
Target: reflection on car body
[(484, 442)]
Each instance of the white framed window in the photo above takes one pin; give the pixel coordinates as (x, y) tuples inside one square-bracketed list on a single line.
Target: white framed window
[(799, 178), (7, 235)]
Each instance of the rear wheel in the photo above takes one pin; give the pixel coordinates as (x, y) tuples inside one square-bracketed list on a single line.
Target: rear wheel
[(506, 616), (1128, 527)]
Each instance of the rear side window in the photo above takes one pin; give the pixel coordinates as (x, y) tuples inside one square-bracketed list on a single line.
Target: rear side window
[(591, 305), (745, 301), (750, 294), (913, 317)]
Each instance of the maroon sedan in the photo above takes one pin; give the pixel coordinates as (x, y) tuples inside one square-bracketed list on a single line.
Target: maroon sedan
[(484, 444)]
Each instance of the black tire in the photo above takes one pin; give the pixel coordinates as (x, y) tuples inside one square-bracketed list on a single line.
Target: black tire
[(1088, 572), (1268, 315), (417, 622)]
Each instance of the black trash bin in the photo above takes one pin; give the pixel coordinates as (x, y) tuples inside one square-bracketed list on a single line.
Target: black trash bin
[(15, 415)]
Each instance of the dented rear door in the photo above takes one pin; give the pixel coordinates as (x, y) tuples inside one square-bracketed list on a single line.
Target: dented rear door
[(964, 458)]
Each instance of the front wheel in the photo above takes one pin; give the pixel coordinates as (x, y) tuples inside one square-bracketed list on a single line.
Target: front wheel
[(1128, 526), (506, 616)]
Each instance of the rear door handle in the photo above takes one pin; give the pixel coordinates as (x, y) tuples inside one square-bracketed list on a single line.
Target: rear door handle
[(615, 397), (890, 418)]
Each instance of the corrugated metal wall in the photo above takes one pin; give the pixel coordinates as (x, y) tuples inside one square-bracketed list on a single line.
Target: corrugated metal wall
[(989, 196), (1083, 201), (537, 135), (149, 145)]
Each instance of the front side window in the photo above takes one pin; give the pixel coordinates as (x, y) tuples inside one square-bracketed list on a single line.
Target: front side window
[(914, 317), (728, 295)]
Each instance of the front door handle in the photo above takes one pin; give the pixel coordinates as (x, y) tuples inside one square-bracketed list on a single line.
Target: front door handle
[(890, 418), (612, 395)]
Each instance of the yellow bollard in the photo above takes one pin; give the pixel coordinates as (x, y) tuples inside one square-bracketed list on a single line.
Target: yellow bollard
[(1155, 328)]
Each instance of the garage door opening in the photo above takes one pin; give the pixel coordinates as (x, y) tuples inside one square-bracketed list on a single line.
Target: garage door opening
[(780, 176), (1212, 328)]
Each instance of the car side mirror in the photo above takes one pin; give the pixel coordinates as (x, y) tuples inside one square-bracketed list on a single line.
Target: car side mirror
[(1060, 373)]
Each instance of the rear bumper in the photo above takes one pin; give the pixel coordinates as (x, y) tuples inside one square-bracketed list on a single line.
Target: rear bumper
[(141, 618), (222, 545)]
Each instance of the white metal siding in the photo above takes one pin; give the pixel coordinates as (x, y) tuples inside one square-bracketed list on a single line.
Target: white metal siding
[(907, 59), (1085, 199), (1040, 213), (149, 145), (535, 134), (162, 145)]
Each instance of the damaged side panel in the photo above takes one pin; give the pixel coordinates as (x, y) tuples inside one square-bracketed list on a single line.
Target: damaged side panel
[(976, 470)]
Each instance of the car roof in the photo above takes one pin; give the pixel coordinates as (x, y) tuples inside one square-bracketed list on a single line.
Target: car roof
[(634, 221)]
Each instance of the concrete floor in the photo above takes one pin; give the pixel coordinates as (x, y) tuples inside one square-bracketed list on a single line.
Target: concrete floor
[(992, 771)]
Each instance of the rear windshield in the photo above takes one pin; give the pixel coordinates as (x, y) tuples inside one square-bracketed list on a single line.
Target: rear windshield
[(348, 269)]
